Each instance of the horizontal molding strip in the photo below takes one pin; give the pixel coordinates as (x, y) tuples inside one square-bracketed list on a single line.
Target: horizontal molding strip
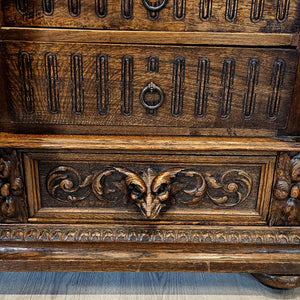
[(135, 143), (148, 37), (157, 234), (159, 257)]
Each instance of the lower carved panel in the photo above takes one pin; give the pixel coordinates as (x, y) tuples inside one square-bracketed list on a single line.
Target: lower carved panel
[(150, 192), (183, 188)]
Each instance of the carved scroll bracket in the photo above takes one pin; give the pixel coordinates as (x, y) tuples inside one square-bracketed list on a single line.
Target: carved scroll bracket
[(149, 192), (285, 209), (12, 199)]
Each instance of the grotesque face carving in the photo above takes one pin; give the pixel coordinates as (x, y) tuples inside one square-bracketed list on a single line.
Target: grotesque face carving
[(150, 193)]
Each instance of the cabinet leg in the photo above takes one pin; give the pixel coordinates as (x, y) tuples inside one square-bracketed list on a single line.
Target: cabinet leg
[(279, 281)]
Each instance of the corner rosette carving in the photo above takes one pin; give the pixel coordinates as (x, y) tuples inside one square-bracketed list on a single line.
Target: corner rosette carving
[(151, 193), (12, 200), (285, 207)]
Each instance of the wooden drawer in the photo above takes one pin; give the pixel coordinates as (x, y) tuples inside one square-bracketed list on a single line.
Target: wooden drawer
[(56, 85), (115, 187), (176, 15)]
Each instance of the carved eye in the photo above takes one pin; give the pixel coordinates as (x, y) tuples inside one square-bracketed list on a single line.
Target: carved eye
[(163, 189), (135, 190)]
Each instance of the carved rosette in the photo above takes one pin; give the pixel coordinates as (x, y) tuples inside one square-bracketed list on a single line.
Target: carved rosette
[(151, 193), (12, 199), (285, 209)]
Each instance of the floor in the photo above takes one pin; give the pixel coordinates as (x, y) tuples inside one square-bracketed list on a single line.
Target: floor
[(145, 286)]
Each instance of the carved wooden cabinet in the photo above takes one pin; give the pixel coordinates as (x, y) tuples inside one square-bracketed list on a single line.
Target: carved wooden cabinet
[(145, 135)]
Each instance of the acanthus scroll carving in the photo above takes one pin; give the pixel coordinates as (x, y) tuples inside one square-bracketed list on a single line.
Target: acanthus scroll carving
[(285, 209), (12, 200), (151, 193)]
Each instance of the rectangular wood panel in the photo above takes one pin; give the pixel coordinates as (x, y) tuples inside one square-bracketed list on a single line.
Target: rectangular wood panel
[(101, 85), (103, 187)]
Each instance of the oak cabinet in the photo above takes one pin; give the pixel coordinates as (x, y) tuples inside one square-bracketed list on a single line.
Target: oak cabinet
[(151, 136)]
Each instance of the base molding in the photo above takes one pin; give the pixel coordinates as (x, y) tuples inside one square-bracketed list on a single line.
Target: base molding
[(148, 257), (279, 281)]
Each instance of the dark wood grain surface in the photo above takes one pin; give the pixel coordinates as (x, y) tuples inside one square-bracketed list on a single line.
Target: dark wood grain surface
[(203, 87), (188, 15)]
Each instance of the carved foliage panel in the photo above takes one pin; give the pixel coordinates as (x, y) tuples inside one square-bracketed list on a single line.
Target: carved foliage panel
[(13, 206), (148, 190), (175, 15), (208, 87), (285, 206)]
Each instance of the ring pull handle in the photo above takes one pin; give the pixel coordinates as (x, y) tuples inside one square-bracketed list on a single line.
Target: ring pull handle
[(154, 8), (152, 88)]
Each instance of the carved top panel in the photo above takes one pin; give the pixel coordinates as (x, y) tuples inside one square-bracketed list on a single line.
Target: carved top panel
[(172, 15)]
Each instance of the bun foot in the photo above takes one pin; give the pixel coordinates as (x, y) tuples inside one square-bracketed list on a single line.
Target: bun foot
[(279, 281)]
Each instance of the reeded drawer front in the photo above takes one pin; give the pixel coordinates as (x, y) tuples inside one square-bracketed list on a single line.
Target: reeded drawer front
[(82, 187), (149, 86), (172, 15)]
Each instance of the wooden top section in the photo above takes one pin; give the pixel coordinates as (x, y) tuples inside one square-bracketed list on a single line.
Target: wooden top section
[(135, 143)]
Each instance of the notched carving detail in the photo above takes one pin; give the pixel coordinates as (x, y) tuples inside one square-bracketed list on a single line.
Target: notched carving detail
[(257, 10), (282, 10), (149, 192), (102, 85), (48, 7), (12, 198), (22, 6), (227, 82), (153, 64), (101, 8), (152, 67), (127, 86), (285, 205), (205, 10), (52, 82), (231, 10), (277, 79), (25, 71), (77, 84), (251, 83), (201, 96), (179, 10), (178, 81), (127, 9), (74, 7)]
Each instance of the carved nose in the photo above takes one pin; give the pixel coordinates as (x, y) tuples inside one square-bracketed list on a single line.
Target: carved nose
[(148, 205)]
